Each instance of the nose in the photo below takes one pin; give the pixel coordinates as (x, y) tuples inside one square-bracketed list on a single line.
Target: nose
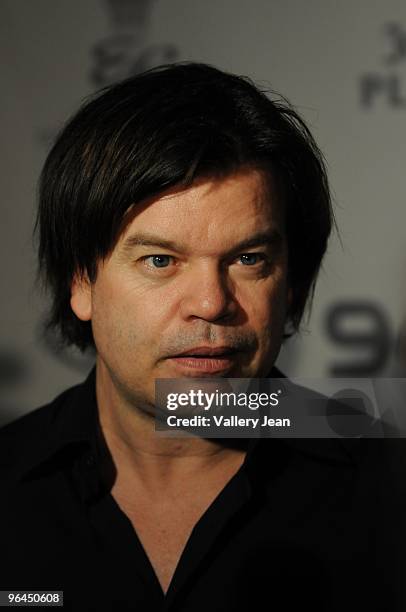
[(208, 295)]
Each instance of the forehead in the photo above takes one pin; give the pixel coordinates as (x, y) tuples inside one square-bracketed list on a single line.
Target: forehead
[(211, 213)]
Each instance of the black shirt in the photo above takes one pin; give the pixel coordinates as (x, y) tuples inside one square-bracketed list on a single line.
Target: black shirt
[(299, 525)]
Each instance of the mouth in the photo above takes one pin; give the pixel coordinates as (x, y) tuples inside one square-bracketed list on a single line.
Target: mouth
[(205, 360)]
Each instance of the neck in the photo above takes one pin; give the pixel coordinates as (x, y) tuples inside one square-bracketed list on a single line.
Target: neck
[(139, 453)]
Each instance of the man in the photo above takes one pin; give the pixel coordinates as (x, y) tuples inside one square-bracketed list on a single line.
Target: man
[(183, 217)]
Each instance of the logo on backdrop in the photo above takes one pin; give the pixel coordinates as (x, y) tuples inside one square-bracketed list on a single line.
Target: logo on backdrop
[(126, 51), (387, 84)]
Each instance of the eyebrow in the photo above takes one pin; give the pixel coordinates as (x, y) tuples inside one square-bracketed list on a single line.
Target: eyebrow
[(272, 238)]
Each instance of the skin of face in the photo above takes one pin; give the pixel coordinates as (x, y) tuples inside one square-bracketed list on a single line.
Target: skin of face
[(198, 266)]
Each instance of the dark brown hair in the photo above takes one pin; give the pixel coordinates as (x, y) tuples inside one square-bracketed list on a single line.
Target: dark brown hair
[(160, 128)]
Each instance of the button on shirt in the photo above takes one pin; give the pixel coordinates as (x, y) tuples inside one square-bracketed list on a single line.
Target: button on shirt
[(292, 528)]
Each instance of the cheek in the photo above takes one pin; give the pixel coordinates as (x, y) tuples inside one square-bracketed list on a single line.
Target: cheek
[(113, 316), (126, 318), (266, 305)]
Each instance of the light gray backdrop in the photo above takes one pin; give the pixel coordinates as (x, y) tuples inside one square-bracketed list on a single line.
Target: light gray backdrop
[(342, 64)]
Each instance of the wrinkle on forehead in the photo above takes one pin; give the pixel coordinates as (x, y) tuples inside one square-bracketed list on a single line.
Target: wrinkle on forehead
[(245, 198)]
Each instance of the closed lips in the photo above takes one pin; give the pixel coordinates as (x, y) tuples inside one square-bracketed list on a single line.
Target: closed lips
[(207, 352)]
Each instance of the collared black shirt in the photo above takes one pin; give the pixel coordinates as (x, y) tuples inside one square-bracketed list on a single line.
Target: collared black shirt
[(300, 525)]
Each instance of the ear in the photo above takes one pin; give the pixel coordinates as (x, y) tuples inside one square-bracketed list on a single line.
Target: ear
[(81, 297)]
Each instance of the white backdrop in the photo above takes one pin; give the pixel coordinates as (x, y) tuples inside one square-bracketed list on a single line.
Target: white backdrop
[(342, 64)]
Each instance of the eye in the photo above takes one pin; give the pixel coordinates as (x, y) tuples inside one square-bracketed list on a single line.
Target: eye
[(250, 259), (158, 261)]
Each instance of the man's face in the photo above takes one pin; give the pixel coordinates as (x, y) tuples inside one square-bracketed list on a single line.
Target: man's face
[(196, 286)]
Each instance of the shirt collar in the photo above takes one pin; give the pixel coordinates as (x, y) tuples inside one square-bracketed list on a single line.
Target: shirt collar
[(72, 423), (69, 426)]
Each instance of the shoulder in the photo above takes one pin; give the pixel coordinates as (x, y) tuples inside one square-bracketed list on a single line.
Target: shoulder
[(314, 434), (35, 431), (29, 426)]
